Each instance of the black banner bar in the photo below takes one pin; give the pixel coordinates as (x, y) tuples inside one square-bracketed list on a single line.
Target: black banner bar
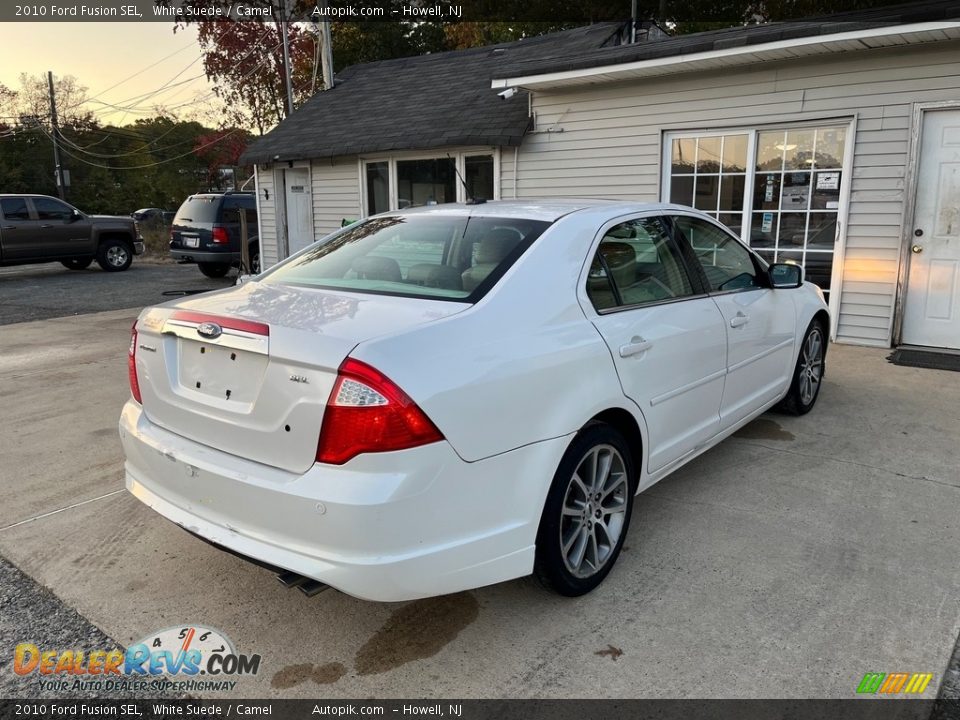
[(858, 709)]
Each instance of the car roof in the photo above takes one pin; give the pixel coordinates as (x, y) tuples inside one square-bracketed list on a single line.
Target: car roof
[(8, 195), (549, 209)]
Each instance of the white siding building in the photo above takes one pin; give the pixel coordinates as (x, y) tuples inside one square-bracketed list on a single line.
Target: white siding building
[(836, 146)]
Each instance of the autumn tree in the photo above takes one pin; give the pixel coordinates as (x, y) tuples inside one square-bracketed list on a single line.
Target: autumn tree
[(244, 60)]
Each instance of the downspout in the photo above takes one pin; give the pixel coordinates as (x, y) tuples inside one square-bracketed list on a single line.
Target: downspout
[(516, 168)]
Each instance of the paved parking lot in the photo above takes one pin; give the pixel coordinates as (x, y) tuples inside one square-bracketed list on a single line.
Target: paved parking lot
[(38, 292), (787, 562)]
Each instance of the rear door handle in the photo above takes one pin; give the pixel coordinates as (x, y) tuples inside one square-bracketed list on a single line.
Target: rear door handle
[(46, 226), (636, 346), (739, 320), (9, 227)]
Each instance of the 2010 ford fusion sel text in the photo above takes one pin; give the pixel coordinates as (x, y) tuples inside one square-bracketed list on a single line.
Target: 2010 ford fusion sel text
[(445, 397)]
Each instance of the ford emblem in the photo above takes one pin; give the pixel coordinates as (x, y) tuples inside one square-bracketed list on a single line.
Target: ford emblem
[(209, 330)]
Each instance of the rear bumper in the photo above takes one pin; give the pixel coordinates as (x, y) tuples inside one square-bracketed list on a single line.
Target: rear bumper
[(202, 256), (386, 527)]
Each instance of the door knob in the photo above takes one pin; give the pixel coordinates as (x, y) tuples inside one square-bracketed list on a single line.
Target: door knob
[(917, 249)]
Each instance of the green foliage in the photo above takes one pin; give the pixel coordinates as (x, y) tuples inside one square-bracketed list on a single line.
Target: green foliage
[(98, 158)]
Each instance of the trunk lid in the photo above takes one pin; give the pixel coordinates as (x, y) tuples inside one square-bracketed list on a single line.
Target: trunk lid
[(256, 385)]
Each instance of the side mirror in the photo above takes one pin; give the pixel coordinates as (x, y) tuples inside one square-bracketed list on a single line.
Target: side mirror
[(76, 215), (785, 275)]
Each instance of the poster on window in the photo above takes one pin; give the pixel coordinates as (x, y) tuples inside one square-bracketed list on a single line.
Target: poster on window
[(828, 181)]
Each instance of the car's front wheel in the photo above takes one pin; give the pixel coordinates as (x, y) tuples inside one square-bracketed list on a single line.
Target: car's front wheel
[(808, 373), (114, 255), (587, 512), (77, 264), (214, 270)]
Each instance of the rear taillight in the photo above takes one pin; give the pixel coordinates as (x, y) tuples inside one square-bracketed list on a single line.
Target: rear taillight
[(220, 235), (367, 412), (132, 365)]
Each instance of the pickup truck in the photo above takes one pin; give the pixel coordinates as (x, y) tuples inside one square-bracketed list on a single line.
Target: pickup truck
[(39, 229)]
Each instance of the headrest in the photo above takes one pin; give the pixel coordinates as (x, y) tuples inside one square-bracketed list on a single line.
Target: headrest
[(496, 245), (374, 267), (438, 276), (622, 261)]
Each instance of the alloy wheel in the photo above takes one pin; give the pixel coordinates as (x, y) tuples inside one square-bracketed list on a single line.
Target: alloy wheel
[(811, 366), (117, 255), (594, 511)]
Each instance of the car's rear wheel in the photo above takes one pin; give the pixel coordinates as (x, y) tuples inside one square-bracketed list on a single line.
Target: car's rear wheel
[(254, 259), (587, 512), (214, 270), (808, 373), (114, 255), (77, 264)]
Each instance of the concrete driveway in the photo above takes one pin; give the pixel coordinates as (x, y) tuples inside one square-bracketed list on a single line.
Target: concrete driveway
[(787, 562)]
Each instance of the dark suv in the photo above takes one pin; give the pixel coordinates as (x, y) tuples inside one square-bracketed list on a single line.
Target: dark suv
[(206, 231)]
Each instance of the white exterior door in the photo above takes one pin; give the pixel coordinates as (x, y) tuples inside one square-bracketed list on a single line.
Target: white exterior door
[(932, 309), (298, 204)]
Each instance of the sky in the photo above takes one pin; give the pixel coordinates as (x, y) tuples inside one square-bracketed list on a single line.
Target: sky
[(101, 55)]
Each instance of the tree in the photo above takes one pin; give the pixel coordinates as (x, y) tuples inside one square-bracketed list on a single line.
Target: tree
[(219, 150), (33, 100), (245, 61)]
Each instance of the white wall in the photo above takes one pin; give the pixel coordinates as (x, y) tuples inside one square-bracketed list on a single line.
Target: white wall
[(604, 140)]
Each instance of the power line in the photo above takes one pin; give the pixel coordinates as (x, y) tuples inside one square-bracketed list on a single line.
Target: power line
[(130, 77), (145, 165)]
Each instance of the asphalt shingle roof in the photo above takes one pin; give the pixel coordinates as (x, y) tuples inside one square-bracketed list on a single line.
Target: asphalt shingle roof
[(445, 99), (421, 102), (914, 12)]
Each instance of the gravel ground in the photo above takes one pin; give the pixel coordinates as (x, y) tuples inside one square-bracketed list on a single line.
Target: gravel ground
[(39, 292), (31, 613)]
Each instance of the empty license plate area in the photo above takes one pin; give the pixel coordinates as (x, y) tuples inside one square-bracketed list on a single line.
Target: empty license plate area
[(218, 372)]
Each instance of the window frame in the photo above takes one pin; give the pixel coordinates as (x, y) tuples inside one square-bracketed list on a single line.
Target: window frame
[(31, 213), (35, 211), (848, 121), (693, 273), (458, 155)]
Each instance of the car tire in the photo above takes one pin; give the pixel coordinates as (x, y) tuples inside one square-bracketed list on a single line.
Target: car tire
[(114, 255), (808, 373), (214, 270), (254, 268), (587, 512), (77, 264)]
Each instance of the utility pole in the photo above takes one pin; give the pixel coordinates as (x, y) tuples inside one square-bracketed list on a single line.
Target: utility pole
[(286, 57), (326, 48), (58, 168)]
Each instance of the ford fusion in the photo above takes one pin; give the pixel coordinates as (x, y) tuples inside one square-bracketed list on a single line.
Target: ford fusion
[(447, 397)]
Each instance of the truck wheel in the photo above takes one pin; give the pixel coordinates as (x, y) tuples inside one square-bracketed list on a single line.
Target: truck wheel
[(214, 270), (77, 264), (114, 255), (254, 259)]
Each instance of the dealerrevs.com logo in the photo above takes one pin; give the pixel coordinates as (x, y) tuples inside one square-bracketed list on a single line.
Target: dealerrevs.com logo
[(173, 659)]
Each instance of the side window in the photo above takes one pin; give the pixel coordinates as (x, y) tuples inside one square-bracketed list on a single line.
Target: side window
[(50, 209), (230, 211), (14, 209), (636, 263), (727, 264)]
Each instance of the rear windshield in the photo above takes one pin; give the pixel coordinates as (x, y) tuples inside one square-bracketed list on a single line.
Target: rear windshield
[(429, 256), (198, 209)]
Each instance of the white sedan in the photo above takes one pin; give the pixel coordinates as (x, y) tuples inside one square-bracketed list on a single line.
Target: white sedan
[(442, 398)]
